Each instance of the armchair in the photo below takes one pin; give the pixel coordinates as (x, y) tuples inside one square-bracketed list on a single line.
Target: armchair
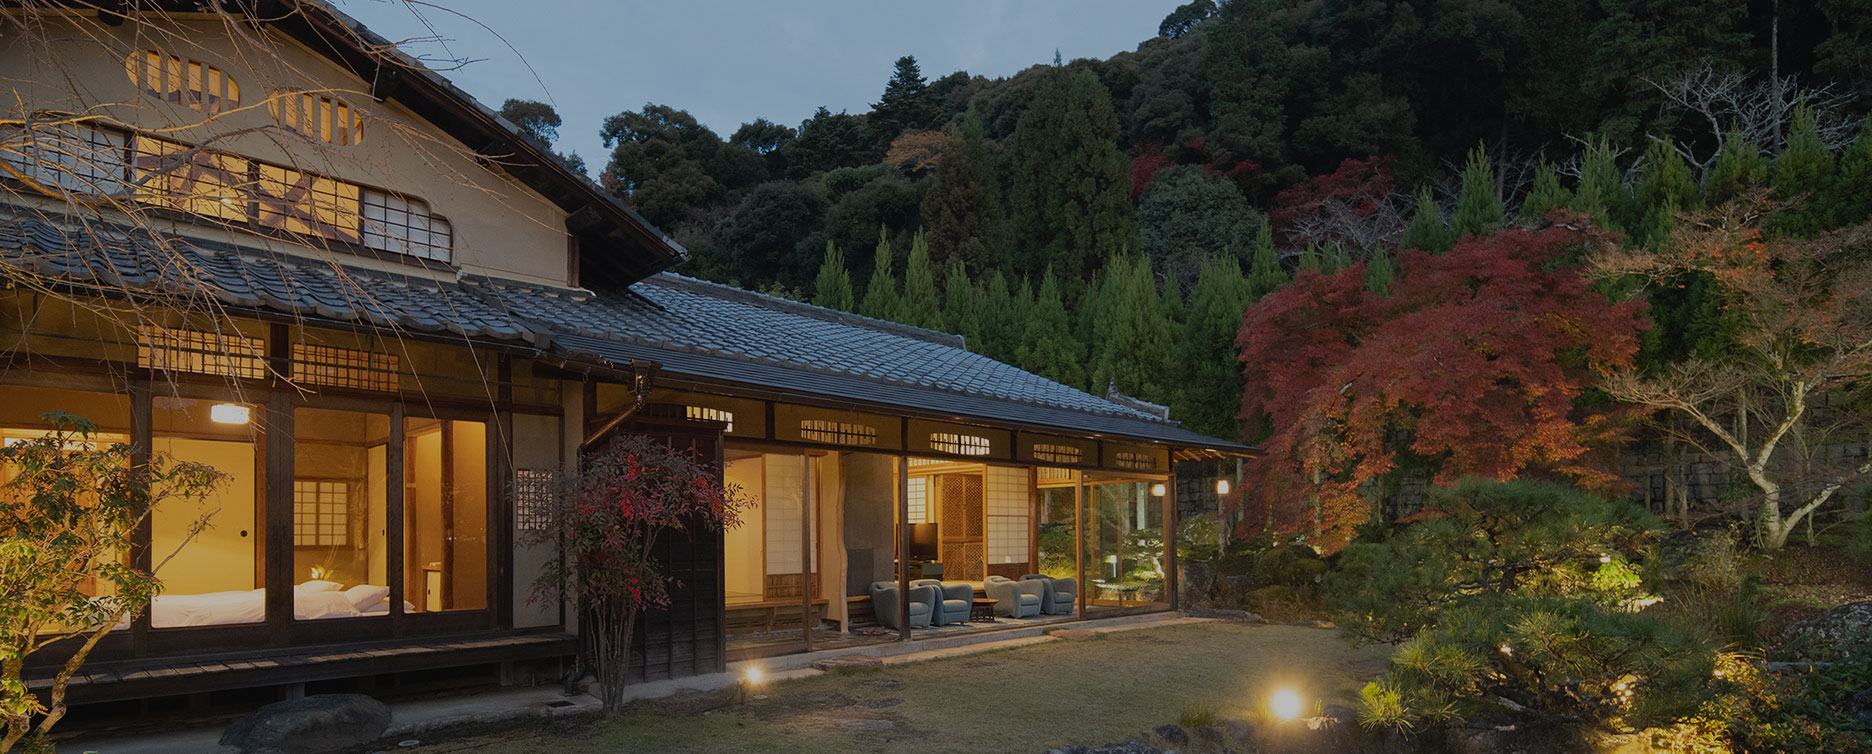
[(884, 602), (1060, 596), (953, 600), (1015, 599)]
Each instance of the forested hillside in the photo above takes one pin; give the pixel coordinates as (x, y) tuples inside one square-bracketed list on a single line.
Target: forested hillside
[(1106, 222)]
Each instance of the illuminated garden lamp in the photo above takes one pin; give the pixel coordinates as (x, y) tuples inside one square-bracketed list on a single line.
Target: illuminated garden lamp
[(1157, 490), (1222, 487), (1285, 704), (753, 676), (229, 413)]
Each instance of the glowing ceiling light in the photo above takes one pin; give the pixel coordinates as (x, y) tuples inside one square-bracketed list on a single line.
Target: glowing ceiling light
[(229, 413), (1285, 704)]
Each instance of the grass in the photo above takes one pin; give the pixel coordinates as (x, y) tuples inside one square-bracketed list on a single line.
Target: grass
[(1029, 698)]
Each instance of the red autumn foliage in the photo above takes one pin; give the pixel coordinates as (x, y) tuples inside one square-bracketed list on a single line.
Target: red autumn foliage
[(1149, 159), (1358, 186), (1481, 354)]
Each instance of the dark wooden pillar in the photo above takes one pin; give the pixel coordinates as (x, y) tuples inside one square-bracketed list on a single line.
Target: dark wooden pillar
[(1079, 539), (1169, 502), (395, 537), (141, 443), (903, 549)]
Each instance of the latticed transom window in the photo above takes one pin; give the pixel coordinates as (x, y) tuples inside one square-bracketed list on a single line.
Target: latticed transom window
[(70, 157), (533, 495), (321, 513), (317, 116), (704, 413), (1127, 459), (343, 367), (404, 225), (1047, 474), (1057, 453), (179, 80), (838, 433), (962, 445), (181, 350)]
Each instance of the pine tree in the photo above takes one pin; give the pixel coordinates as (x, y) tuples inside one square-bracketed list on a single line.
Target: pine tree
[(1133, 350), (1426, 231), (833, 289), (1546, 194), (1047, 347), (1310, 260), (963, 206), (1478, 209), (1602, 195), (1850, 200), (962, 305), (1665, 189), (906, 104), (1071, 204), (1802, 173), (1265, 274), (920, 307), (881, 299), (1172, 302), (1002, 321), (1380, 273), (1210, 392), (1738, 168), (1337, 258)]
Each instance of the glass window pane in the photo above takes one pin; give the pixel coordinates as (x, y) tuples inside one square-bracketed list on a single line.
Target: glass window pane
[(218, 576), (445, 515)]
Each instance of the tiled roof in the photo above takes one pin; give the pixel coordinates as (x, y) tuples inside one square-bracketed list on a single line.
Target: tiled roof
[(88, 256), (719, 332)]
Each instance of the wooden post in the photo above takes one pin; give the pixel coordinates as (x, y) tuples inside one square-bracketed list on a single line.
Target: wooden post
[(806, 570), (279, 517), (1079, 535), (394, 479), (903, 549), (1170, 538), (141, 443)]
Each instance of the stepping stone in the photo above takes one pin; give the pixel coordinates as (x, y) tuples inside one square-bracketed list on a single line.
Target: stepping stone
[(847, 661)]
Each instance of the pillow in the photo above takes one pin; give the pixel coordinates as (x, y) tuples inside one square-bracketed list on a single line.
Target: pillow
[(315, 586), (365, 596), (322, 605)]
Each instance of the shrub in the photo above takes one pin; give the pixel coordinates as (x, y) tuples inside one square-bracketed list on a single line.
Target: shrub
[(1197, 716), (1753, 708)]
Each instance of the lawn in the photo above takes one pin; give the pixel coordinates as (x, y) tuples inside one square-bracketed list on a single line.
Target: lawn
[(1028, 698)]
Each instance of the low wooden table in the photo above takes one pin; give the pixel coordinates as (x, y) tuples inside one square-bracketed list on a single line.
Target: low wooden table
[(983, 610)]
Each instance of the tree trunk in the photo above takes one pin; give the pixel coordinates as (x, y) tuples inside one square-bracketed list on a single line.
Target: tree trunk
[(613, 634)]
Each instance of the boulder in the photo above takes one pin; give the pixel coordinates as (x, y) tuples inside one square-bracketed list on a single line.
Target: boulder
[(1172, 733), (310, 725), (1832, 635), (1860, 707)]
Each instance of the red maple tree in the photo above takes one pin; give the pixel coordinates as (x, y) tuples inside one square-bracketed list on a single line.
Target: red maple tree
[(1480, 354)]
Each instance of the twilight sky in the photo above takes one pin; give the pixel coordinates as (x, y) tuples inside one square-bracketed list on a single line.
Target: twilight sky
[(730, 62)]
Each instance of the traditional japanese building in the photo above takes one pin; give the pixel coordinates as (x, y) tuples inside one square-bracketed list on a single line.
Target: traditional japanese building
[(260, 239)]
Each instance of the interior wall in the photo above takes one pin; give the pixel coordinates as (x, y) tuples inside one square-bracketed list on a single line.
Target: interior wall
[(744, 557), (870, 512), (468, 573), (422, 518), (378, 502)]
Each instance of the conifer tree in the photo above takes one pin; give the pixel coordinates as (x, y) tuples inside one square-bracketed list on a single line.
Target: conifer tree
[(962, 305), (1602, 195), (1850, 200), (1172, 301), (1380, 273), (920, 307), (1665, 189), (1738, 168), (1337, 257), (906, 104), (1071, 205), (963, 206), (1310, 260), (1002, 320), (1801, 174), (1426, 231), (833, 288), (1209, 393), (1047, 346), (1478, 209), (1133, 350), (881, 299), (1265, 273), (1546, 194)]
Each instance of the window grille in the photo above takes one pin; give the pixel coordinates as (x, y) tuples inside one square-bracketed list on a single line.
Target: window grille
[(316, 116), (533, 496), (182, 81), (180, 177), (321, 513), (1126, 459), (1008, 504), (962, 445), (306, 204), (838, 433), (343, 367), (403, 225), (1048, 474), (1057, 453), (918, 500), (227, 355), (72, 157), (705, 413)]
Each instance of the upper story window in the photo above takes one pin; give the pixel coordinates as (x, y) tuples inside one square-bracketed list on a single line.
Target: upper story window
[(182, 81), (962, 445), (404, 225), (316, 116), (68, 157)]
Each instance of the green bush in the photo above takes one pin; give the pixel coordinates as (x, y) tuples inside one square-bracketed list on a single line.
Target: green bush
[(1752, 708)]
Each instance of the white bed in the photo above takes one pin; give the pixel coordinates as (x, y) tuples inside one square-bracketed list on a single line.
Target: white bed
[(311, 601)]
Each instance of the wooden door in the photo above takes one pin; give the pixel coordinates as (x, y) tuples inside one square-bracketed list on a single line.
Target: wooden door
[(964, 528)]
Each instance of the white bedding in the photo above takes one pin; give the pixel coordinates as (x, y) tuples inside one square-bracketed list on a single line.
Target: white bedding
[(230, 608)]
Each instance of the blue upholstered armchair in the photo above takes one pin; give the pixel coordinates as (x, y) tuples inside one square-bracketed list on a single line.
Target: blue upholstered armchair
[(1015, 599), (954, 600), (884, 602), (1060, 597)]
